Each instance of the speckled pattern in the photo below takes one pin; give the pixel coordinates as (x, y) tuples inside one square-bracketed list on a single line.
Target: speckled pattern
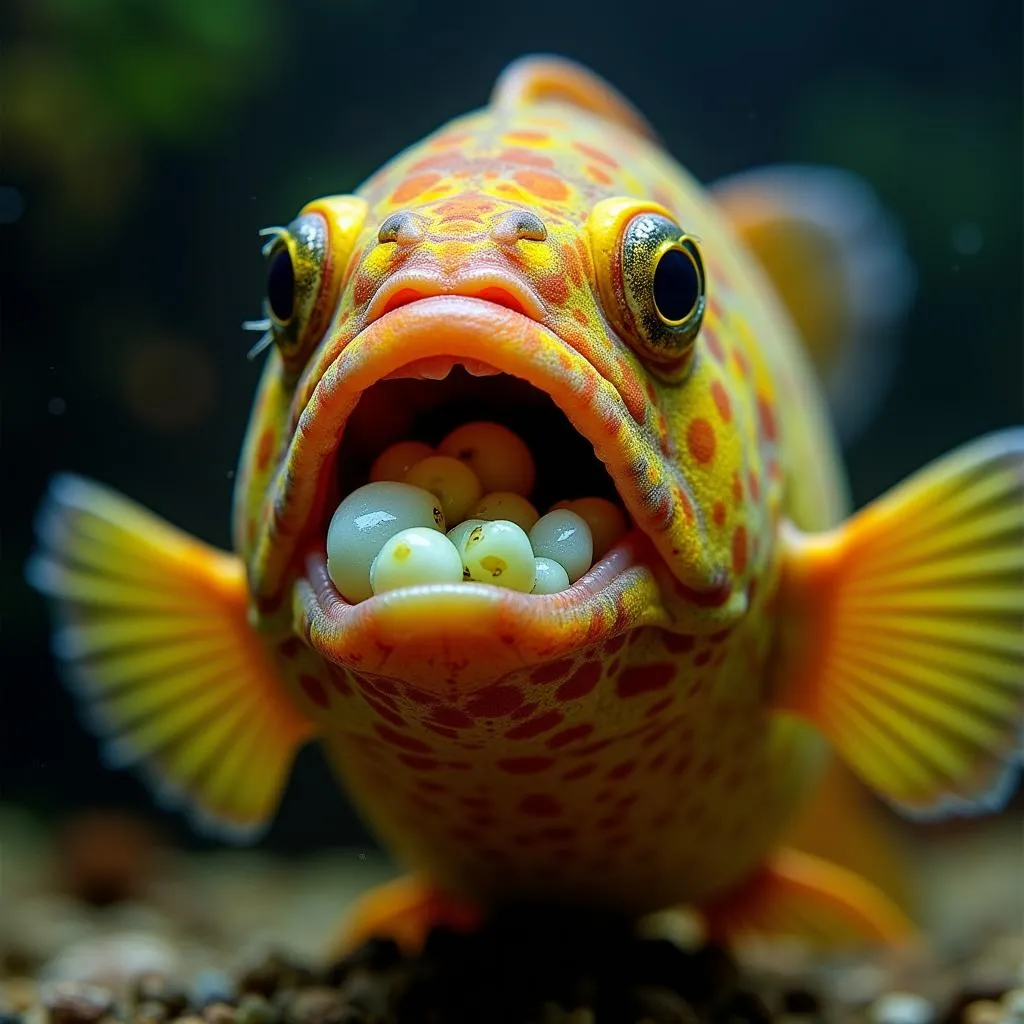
[(621, 743)]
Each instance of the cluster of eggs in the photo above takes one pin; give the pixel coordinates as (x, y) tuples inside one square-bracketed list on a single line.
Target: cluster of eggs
[(460, 512)]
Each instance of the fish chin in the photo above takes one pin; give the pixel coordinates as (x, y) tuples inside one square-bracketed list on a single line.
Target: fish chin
[(413, 374)]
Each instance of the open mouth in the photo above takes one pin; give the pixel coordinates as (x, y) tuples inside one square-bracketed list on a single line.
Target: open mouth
[(416, 374)]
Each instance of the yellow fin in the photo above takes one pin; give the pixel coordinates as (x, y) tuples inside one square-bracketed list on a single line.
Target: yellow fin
[(797, 896), (837, 261), (153, 627), (902, 632), (543, 78)]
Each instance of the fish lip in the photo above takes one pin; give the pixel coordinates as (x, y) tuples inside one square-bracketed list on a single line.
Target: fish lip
[(423, 633), (459, 328), (469, 283)]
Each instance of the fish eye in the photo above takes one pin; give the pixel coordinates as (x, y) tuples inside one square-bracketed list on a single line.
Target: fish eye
[(281, 286), (305, 264), (652, 281)]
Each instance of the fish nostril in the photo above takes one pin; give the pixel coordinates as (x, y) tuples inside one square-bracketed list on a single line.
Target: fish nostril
[(519, 226), (401, 298), (401, 228), (500, 297)]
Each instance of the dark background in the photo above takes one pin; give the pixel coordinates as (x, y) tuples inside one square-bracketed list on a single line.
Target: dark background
[(145, 143)]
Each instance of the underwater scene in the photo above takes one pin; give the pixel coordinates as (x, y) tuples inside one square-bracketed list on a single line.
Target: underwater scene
[(515, 514)]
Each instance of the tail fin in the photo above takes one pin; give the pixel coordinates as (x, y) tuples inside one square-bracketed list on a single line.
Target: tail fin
[(153, 626), (837, 260)]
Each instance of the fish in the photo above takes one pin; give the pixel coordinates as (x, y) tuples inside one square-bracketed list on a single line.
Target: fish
[(649, 737)]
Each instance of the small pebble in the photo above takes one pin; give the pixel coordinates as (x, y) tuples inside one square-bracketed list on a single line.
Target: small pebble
[(452, 482), (394, 462), (155, 988), (985, 1011), (76, 1002), (498, 457), (219, 1013), (1013, 1003), (902, 1008), (564, 537), (319, 1006), (155, 1012), (254, 1009)]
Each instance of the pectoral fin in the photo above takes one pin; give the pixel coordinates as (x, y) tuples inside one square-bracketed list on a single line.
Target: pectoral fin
[(153, 626), (902, 633)]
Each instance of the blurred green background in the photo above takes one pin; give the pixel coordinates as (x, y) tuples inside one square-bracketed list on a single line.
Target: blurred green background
[(146, 141)]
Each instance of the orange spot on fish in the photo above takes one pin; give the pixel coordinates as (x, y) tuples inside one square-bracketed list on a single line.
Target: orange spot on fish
[(721, 398), (545, 186), (700, 439), (737, 489), (581, 317), (363, 288), (572, 264), (581, 682), (535, 726), (754, 484), (718, 513), (596, 174), (678, 643), (495, 702), (766, 418), (527, 135), (540, 805), (739, 549), (265, 449), (644, 679), (596, 154), (314, 690), (552, 288), (552, 672), (714, 345), (526, 157), (525, 765), (742, 363), (414, 186)]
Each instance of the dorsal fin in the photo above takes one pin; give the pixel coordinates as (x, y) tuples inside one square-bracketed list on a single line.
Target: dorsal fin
[(540, 78)]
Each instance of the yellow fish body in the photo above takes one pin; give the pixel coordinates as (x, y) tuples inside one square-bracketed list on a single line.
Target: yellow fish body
[(647, 737)]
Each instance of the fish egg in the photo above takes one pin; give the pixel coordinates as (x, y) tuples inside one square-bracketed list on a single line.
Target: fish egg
[(498, 457), (417, 555), (456, 533), (564, 537), (605, 519), (394, 462), (454, 483), (506, 505), (551, 577), (361, 524), (499, 552)]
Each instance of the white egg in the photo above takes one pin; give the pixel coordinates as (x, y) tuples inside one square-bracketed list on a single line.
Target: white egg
[(506, 505), (498, 457), (417, 555), (564, 537), (368, 517), (499, 552), (551, 577)]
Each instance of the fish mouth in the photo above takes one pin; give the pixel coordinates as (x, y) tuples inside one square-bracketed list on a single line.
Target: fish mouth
[(427, 365)]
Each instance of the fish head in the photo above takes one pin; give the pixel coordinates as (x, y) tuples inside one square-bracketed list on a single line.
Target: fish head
[(581, 322)]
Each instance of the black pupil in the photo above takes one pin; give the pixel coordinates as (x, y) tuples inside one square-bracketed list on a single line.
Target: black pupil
[(676, 285), (281, 286)]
